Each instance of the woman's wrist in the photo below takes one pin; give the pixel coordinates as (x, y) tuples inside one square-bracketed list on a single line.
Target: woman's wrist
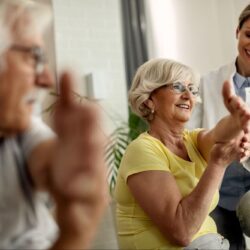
[(217, 166), (226, 129)]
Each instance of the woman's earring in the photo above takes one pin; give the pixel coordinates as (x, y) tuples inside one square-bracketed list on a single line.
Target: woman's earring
[(151, 115)]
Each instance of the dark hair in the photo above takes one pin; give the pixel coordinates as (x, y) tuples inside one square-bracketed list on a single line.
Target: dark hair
[(244, 16)]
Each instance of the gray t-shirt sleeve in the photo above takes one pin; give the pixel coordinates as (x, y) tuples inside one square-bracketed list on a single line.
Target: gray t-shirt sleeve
[(37, 133)]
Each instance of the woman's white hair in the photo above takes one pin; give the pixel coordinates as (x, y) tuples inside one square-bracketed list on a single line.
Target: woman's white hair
[(154, 74), (21, 18)]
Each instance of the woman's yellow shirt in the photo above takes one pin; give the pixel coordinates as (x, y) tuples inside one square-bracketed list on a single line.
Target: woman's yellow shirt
[(135, 228)]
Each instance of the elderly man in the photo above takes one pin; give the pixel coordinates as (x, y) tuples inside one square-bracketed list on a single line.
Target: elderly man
[(32, 159)]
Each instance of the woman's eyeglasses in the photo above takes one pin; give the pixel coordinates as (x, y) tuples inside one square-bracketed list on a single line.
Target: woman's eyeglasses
[(179, 88), (36, 52)]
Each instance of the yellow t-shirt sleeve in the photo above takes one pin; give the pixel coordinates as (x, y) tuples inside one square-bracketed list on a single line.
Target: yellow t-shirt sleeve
[(143, 155), (193, 134)]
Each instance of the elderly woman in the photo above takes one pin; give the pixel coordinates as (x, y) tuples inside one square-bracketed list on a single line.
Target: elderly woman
[(169, 177)]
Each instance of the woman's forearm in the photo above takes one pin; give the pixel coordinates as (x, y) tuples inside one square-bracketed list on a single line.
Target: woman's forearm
[(193, 209), (226, 129)]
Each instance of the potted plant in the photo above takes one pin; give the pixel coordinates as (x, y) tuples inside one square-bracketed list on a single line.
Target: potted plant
[(118, 142)]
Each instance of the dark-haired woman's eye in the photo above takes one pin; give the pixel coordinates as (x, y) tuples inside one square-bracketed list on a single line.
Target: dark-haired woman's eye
[(247, 34)]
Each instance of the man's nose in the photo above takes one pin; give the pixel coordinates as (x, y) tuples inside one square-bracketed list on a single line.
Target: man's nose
[(45, 79)]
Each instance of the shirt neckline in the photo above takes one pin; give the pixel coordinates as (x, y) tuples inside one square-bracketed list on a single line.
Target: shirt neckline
[(172, 153), (239, 80)]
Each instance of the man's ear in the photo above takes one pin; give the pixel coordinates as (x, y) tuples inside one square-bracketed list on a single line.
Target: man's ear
[(150, 104)]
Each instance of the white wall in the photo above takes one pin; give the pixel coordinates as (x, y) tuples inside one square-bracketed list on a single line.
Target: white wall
[(199, 33), (88, 38)]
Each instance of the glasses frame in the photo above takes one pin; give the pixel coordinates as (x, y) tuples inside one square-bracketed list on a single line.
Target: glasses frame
[(36, 52), (183, 88)]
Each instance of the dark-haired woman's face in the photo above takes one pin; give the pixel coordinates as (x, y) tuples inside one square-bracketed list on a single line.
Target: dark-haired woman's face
[(243, 61)]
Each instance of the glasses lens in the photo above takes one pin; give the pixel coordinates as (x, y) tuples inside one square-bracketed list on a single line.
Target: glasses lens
[(178, 87), (37, 53), (39, 56), (193, 89)]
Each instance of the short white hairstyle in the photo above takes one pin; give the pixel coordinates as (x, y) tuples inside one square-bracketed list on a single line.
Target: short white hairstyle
[(21, 18), (154, 74)]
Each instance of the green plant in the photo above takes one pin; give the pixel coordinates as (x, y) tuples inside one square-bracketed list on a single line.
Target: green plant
[(118, 142)]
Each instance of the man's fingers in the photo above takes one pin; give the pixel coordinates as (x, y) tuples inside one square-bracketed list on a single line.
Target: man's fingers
[(66, 87), (63, 115)]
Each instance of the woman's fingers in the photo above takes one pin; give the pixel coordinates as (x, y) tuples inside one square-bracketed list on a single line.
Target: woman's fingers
[(237, 107), (241, 112), (227, 94), (225, 152)]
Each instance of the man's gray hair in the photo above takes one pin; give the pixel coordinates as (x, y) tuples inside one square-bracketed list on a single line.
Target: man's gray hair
[(21, 18), (152, 75)]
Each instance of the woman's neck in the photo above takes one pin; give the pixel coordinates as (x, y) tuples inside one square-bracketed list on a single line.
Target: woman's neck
[(171, 135), (242, 69), (168, 135)]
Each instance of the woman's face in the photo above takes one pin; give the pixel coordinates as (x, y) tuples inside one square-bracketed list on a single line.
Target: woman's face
[(243, 36), (171, 105)]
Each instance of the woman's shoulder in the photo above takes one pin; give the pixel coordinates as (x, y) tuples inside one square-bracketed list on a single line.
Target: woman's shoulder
[(191, 135), (145, 140), (144, 144), (144, 153)]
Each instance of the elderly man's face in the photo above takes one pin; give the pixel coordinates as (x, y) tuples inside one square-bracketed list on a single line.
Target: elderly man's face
[(19, 78)]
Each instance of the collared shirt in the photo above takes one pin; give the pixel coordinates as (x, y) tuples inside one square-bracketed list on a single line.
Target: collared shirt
[(240, 83)]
